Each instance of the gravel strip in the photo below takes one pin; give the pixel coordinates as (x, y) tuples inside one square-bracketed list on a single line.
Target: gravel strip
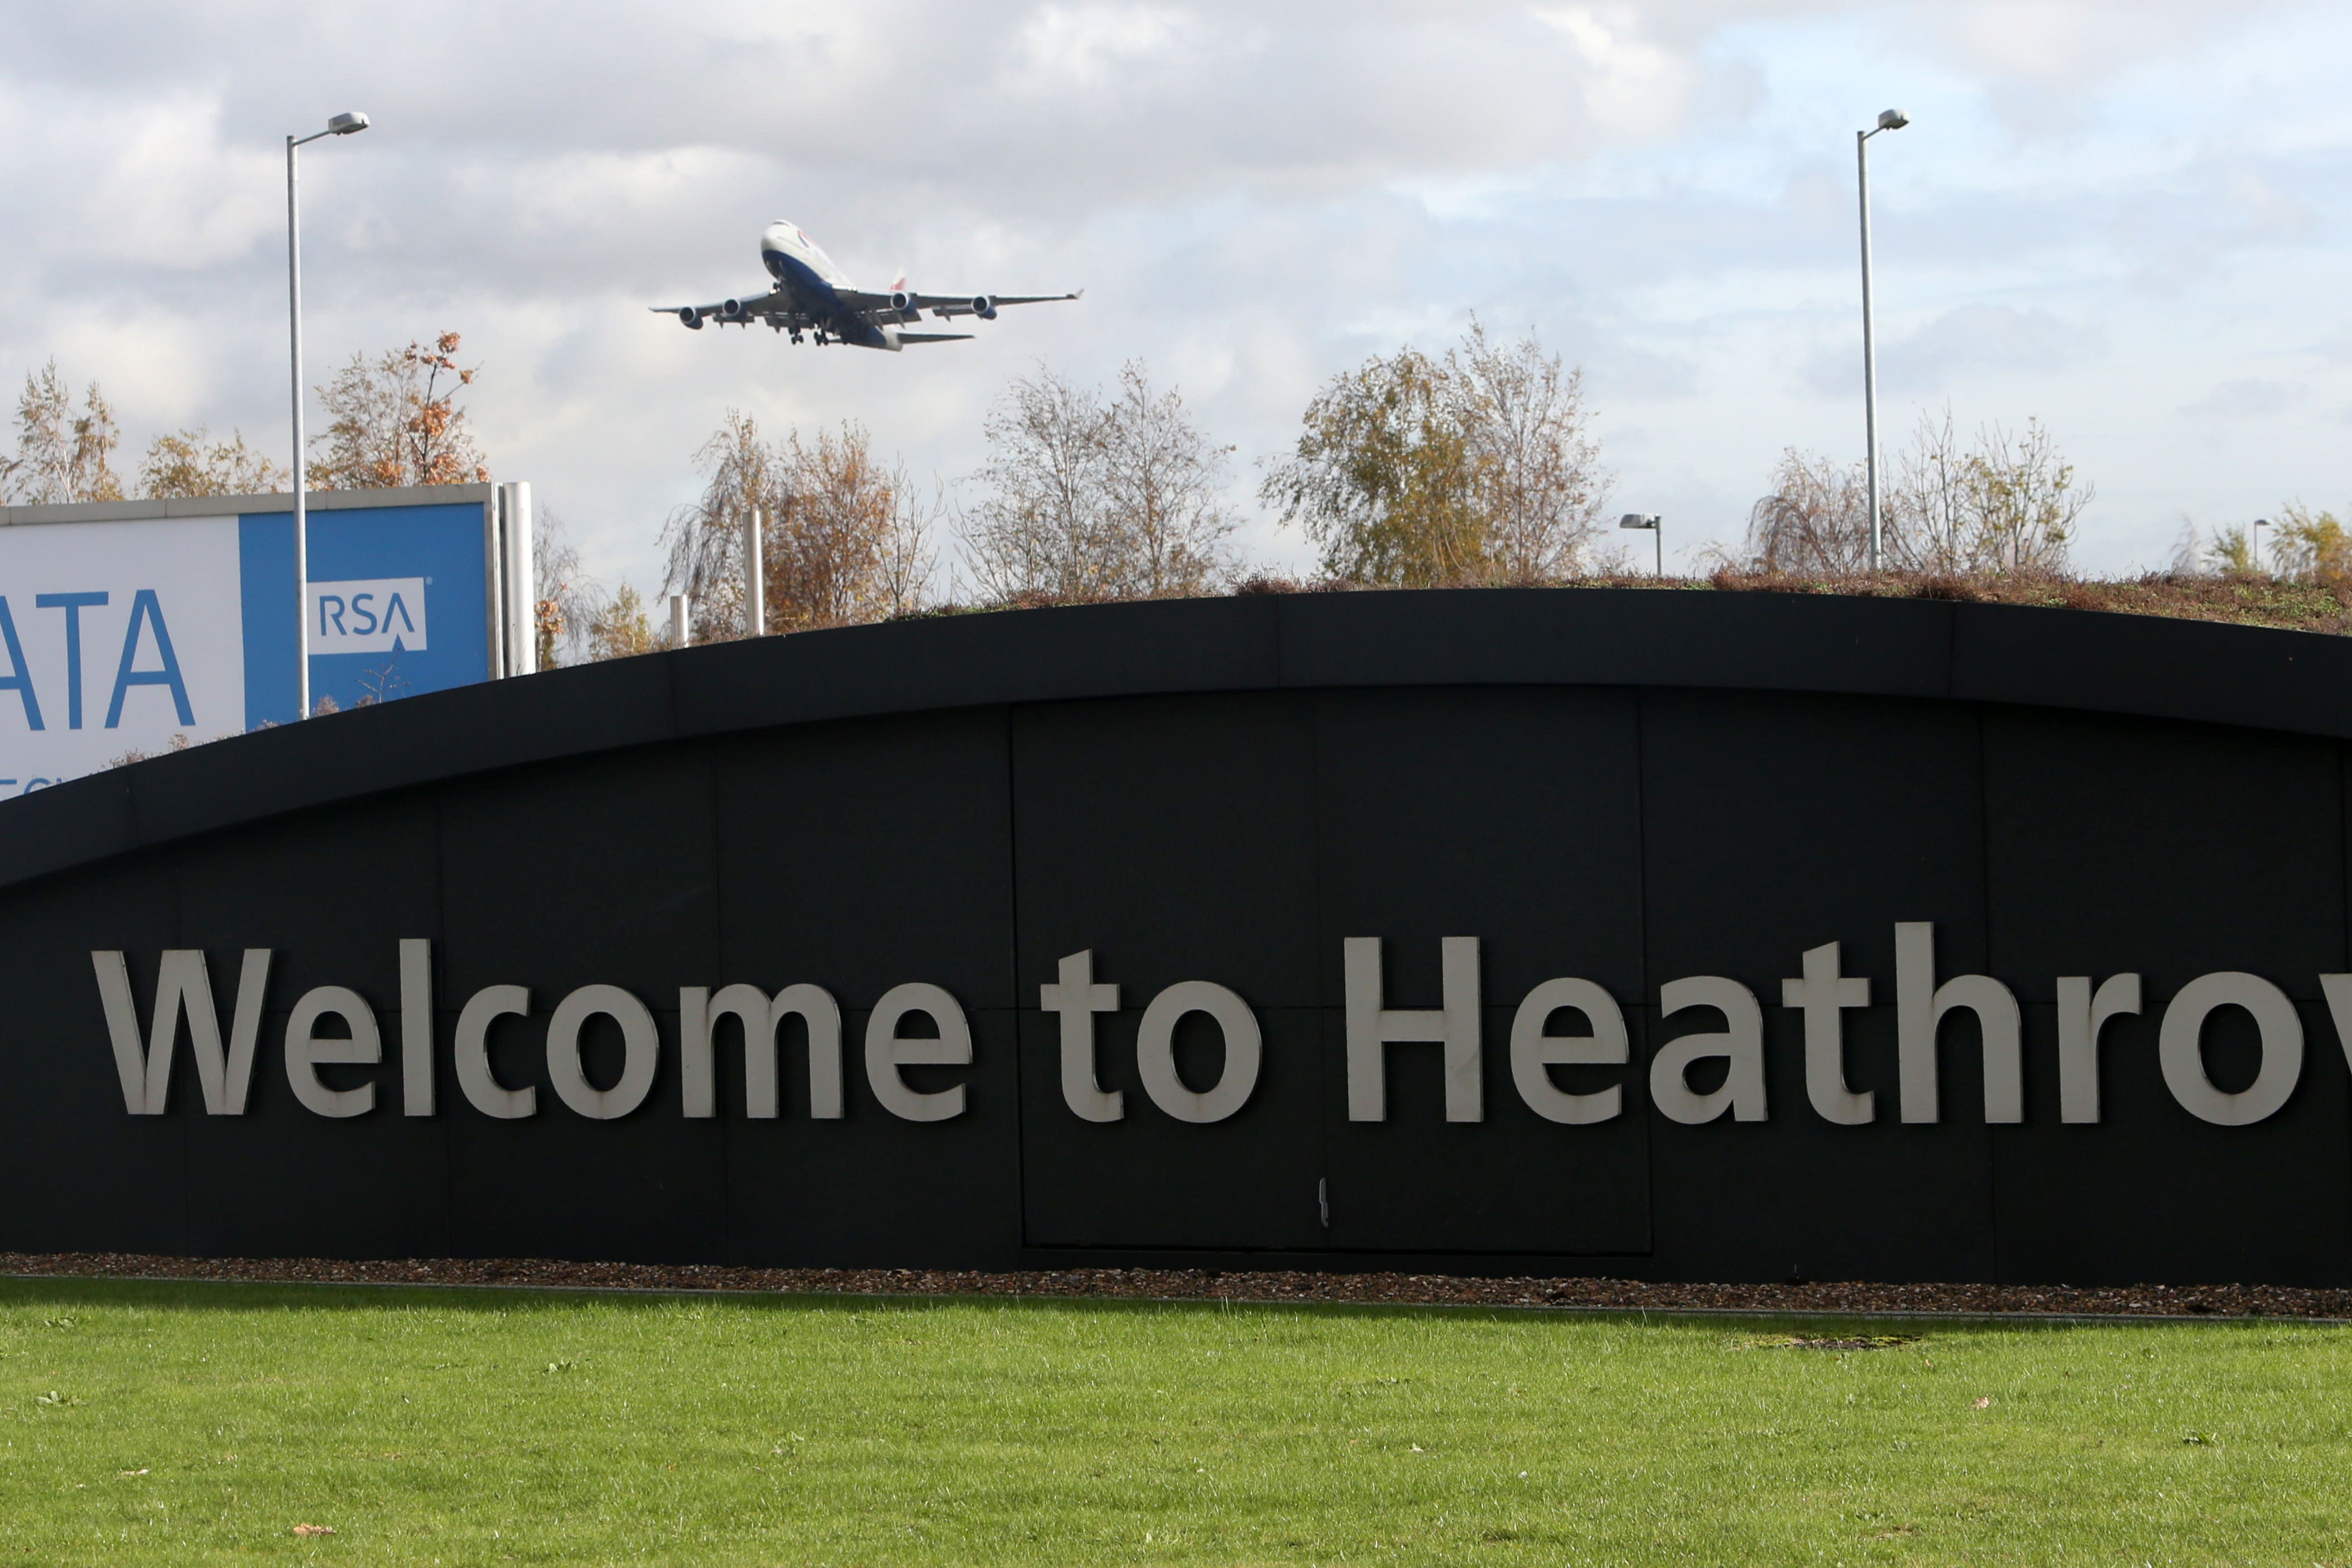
[(1205, 1284)]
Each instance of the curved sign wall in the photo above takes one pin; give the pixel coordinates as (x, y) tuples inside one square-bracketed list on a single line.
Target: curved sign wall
[(1664, 934)]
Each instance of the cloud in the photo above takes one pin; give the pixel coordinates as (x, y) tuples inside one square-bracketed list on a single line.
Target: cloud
[(1256, 194), (1957, 346), (2248, 398)]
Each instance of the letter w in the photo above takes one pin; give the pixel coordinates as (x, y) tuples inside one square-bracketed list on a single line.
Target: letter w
[(182, 985)]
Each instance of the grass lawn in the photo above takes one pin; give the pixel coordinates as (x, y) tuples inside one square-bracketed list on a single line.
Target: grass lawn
[(191, 1423)]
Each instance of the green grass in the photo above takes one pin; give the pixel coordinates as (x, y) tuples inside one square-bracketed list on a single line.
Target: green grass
[(188, 1424)]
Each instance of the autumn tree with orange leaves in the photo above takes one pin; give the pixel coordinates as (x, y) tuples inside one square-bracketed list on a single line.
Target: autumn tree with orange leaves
[(395, 420)]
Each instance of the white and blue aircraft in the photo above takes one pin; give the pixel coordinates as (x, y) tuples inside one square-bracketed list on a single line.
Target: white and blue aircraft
[(813, 295)]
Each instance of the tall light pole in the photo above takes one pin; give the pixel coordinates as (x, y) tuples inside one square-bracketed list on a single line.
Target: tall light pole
[(340, 125), (1888, 119)]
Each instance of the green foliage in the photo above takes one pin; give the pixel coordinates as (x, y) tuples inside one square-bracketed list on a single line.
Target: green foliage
[(190, 463), (2313, 545), (1416, 472), (186, 1424)]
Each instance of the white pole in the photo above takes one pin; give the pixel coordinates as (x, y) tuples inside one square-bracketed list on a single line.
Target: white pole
[(301, 468), (1658, 536), (1869, 347), (755, 581), (679, 630)]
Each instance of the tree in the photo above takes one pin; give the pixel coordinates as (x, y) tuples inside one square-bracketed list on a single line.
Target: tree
[(395, 420), (60, 456), (620, 628), (2008, 504), (1478, 467), (1814, 520), (1094, 500), (1165, 518), (1044, 525), (849, 544), (2313, 545), (566, 601), (187, 463), (1538, 479), (1381, 478), (843, 540)]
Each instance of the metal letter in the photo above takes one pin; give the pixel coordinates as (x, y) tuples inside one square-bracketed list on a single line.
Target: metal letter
[(1824, 995), (483, 1091), (698, 1021), (2180, 1047), (887, 1051), (1741, 1044), (1155, 1051), (1533, 1051), (415, 1027), (2082, 1014), (1078, 999), (1370, 1027), (641, 1040), (1919, 1007), (305, 1051)]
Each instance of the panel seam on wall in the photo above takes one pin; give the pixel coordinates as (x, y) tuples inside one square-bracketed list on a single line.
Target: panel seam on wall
[(1013, 963)]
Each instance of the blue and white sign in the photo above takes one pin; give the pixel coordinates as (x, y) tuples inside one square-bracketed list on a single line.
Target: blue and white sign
[(143, 634)]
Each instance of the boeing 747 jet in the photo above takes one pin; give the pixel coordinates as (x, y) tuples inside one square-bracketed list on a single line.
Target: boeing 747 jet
[(813, 295)]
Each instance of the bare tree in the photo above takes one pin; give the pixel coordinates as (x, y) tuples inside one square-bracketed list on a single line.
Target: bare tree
[(60, 456), (2008, 504), (1815, 519), (395, 420), (190, 463), (705, 539), (1538, 479), (1043, 526), (1165, 522), (566, 602)]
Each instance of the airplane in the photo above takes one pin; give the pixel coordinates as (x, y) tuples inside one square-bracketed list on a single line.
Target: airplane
[(813, 295)]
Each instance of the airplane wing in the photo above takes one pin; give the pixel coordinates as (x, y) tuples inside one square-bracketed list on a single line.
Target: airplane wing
[(945, 306), (903, 306), (762, 308)]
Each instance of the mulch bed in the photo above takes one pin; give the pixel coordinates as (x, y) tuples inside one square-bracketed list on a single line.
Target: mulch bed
[(1213, 1285)]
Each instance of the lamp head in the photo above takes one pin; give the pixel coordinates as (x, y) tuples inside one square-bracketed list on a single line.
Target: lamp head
[(1638, 520), (345, 124), (1893, 119)]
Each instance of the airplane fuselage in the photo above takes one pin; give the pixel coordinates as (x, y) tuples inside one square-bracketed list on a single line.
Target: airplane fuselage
[(811, 279)]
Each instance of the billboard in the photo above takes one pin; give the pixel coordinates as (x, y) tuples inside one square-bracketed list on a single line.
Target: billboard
[(132, 629)]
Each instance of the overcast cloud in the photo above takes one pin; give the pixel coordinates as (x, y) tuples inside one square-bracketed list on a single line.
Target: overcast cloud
[(2127, 220)]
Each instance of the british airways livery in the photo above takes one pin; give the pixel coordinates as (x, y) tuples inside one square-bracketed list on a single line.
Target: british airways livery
[(813, 295)]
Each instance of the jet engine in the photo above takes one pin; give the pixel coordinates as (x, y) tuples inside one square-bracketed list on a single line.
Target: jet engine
[(690, 316), (733, 310), (985, 307), (903, 302)]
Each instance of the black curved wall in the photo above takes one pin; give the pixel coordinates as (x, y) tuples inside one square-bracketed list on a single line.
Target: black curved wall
[(1627, 787)]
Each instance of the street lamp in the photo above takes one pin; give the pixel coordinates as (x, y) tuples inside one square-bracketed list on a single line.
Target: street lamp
[(1656, 525), (340, 125), (1888, 119), (2254, 549)]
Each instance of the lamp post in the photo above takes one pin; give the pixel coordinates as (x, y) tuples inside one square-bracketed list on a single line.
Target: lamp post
[(1656, 525), (2254, 546), (1888, 119), (340, 125)]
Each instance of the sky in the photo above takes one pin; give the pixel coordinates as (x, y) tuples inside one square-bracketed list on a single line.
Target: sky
[(2128, 221)]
